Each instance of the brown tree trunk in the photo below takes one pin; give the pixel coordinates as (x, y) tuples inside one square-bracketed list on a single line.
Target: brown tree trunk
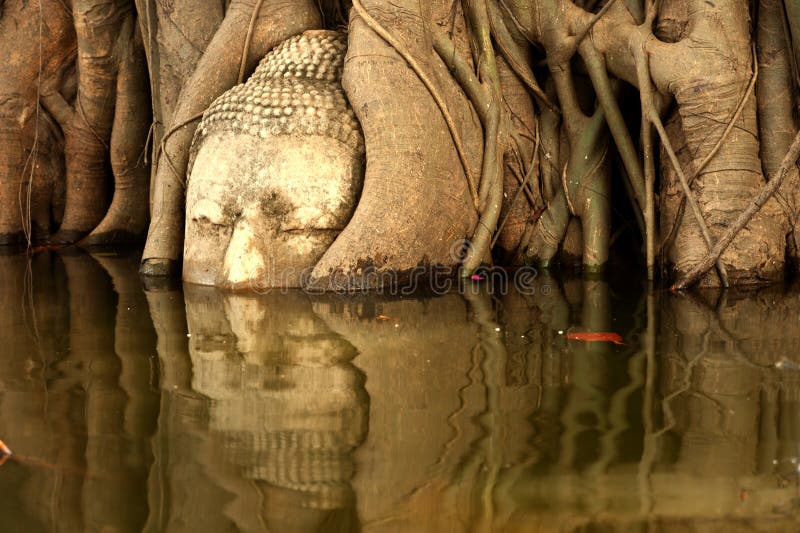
[(415, 207), (709, 72), (175, 35), (30, 148), (777, 122), (518, 205), (88, 133), (126, 219)]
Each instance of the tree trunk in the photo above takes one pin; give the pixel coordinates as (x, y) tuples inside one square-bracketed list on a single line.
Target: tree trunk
[(776, 91), (30, 147), (175, 35), (126, 219), (88, 133), (709, 72), (415, 209)]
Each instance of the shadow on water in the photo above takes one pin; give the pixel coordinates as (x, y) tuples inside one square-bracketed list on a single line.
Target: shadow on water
[(193, 410)]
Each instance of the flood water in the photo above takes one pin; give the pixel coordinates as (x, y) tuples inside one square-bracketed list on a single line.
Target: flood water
[(196, 411)]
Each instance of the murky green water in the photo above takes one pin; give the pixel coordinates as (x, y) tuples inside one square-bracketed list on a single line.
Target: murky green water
[(201, 412)]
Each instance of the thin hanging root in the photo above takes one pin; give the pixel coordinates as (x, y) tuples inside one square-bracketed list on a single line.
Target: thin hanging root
[(565, 187), (485, 100), (514, 57), (530, 228), (54, 102), (496, 127), (756, 204), (518, 145), (667, 242), (656, 120), (626, 181), (248, 40), (384, 34), (640, 175), (463, 73), (648, 109), (522, 187), (582, 35), (616, 123), (163, 146)]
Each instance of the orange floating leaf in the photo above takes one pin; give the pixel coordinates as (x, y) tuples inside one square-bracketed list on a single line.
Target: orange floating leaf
[(596, 337)]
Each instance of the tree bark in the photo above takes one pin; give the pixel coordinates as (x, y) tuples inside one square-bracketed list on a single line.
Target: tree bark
[(415, 207)]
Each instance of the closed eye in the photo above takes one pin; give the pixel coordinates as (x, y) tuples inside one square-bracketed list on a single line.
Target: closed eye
[(207, 222), (210, 213)]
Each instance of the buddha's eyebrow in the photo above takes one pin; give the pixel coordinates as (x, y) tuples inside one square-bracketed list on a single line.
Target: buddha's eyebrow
[(210, 208)]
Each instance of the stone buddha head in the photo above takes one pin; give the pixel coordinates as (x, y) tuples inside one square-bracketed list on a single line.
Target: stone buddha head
[(275, 170)]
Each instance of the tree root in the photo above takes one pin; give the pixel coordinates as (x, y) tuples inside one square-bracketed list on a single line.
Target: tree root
[(162, 147), (248, 40), (616, 123), (98, 25), (523, 186), (497, 128), (667, 242), (572, 139), (755, 205), (793, 17), (384, 34), (127, 217), (656, 120), (511, 52), (648, 109)]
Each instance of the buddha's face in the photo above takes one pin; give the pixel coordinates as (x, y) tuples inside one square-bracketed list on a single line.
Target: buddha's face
[(260, 212), (275, 373)]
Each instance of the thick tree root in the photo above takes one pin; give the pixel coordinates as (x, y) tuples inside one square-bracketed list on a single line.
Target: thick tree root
[(415, 209), (98, 23), (126, 219), (777, 121), (755, 205)]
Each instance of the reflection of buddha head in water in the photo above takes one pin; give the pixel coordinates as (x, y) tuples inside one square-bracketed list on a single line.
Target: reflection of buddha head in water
[(276, 168), (288, 405)]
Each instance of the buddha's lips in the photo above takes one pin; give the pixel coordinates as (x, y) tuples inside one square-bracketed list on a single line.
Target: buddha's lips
[(596, 337)]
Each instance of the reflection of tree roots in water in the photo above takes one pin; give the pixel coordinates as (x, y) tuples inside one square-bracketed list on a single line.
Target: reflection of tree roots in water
[(451, 419), (716, 327), (686, 384), (28, 301), (483, 456), (617, 417), (32, 326), (472, 460), (793, 474)]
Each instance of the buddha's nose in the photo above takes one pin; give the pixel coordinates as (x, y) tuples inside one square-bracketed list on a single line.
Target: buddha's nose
[(244, 265)]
